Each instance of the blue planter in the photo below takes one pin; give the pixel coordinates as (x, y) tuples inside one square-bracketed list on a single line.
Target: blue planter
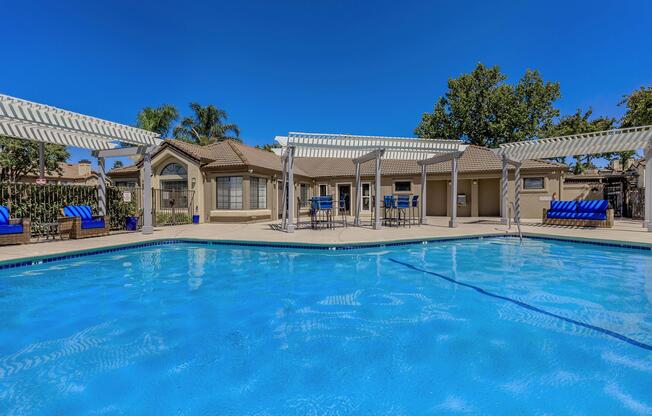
[(131, 223), (195, 219)]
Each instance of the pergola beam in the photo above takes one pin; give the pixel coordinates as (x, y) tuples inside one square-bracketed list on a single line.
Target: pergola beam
[(439, 158), (45, 124), (44, 116), (617, 140), (63, 137)]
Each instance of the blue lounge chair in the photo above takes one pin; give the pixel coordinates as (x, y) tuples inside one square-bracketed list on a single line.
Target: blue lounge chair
[(13, 231), (593, 213), (78, 221)]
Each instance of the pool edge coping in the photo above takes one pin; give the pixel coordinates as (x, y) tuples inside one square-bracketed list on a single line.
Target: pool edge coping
[(47, 258)]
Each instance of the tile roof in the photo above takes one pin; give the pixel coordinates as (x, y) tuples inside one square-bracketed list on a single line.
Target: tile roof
[(474, 159), (233, 154)]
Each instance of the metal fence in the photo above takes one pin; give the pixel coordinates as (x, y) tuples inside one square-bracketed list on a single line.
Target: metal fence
[(172, 206), (43, 203)]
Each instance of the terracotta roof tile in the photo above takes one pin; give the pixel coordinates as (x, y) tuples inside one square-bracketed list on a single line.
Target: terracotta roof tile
[(474, 159)]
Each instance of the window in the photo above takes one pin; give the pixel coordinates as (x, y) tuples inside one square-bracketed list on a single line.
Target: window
[(323, 189), (533, 183), (403, 186), (229, 192), (303, 194), (174, 169), (257, 193)]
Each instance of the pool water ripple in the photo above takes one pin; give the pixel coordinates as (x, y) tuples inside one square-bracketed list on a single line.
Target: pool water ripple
[(202, 329)]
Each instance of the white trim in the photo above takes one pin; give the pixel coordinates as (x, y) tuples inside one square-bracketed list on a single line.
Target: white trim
[(615, 140), (362, 184), (348, 146), (33, 121), (337, 195)]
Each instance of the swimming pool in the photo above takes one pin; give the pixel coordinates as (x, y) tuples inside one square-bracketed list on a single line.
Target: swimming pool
[(485, 326)]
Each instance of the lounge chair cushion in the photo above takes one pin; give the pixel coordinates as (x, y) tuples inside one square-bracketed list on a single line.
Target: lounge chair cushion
[(563, 206), (87, 224), (593, 206), (11, 228), (4, 215), (83, 211)]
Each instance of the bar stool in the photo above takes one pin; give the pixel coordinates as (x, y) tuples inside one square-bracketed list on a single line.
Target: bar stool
[(414, 209), (403, 207)]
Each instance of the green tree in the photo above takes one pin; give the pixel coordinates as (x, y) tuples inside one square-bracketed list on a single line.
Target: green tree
[(159, 119), (577, 123), (482, 109), (20, 157), (638, 113), (117, 164), (268, 147), (207, 125)]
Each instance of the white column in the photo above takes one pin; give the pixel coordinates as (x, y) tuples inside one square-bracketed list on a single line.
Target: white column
[(358, 195), (648, 187), (284, 197), (147, 194), (453, 222), (424, 186), (517, 193), (101, 191), (290, 162), (504, 186), (377, 219)]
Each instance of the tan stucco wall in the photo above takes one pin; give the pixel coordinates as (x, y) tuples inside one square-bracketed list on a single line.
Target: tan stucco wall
[(482, 191), (195, 176)]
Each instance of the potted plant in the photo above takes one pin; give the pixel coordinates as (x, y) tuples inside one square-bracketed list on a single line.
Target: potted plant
[(195, 218), (131, 220)]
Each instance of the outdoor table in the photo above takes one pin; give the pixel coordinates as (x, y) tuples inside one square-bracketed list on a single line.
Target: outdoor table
[(48, 230)]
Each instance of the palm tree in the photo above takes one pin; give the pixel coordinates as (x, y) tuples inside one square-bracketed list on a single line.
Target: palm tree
[(206, 126), (159, 119)]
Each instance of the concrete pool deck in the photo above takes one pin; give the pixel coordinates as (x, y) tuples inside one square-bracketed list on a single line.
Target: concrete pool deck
[(623, 232)]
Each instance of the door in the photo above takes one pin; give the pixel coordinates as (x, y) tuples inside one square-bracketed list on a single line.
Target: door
[(344, 194), (366, 197)]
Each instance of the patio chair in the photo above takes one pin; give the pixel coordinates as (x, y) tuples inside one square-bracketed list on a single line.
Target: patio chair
[(342, 211), (13, 231), (389, 203), (414, 209), (78, 221), (403, 209)]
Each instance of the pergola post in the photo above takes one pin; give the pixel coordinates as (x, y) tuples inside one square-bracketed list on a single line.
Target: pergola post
[(358, 195), (101, 191), (424, 178), (453, 221), (290, 201), (648, 187), (517, 192), (504, 186), (377, 221), (147, 194)]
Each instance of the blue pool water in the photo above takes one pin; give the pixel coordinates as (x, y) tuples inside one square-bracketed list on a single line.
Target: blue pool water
[(475, 326)]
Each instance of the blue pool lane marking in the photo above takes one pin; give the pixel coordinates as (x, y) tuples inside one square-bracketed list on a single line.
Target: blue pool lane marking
[(601, 330)]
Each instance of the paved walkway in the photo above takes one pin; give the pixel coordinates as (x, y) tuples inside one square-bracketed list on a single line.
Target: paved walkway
[(623, 231)]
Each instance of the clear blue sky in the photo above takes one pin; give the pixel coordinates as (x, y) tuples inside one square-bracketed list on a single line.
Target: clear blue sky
[(331, 66)]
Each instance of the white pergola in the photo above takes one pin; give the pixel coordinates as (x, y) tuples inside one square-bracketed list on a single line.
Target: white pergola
[(27, 120), (362, 149), (617, 140)]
